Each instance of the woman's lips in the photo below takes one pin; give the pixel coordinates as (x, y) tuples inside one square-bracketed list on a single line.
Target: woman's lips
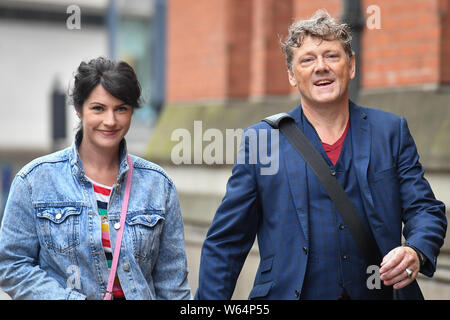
[(108, 133)]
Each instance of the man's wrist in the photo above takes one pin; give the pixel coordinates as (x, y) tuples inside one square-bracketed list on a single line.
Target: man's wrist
[(420, 255)]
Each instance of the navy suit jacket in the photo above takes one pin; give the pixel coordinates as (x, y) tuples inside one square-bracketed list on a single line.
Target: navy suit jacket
[(275, 209)]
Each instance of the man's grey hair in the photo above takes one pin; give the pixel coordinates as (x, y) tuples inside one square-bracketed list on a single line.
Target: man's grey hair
[(322, 26)]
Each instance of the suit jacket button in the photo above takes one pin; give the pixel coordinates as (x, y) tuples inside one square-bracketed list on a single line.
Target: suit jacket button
[(305, 250), (297, 294)]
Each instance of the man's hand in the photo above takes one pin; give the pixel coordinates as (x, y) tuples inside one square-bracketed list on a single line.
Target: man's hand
[(394, 265)]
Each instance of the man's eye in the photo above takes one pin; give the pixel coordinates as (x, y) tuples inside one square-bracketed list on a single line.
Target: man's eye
[(97, 108)]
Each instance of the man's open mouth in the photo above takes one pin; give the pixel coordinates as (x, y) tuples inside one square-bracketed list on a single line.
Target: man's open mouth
[(323, 82)]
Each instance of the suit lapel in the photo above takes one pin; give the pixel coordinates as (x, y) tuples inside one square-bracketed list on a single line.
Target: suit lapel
[(361, 146), (362, 139), (296, 173)]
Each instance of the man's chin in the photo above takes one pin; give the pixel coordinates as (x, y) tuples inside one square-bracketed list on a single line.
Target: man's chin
[(331, 98), (326, 100)]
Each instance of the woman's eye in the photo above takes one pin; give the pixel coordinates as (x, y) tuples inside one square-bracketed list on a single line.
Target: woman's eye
[(123, 109)]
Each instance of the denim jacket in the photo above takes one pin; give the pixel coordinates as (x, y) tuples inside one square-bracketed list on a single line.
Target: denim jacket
[(50, 239)]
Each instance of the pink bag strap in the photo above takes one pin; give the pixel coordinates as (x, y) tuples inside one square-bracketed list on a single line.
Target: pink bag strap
[(123, 214)]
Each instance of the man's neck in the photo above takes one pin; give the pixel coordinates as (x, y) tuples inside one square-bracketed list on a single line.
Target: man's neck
[(329, 120)]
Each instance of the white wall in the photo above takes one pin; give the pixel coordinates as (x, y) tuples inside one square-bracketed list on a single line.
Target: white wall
[(31, 56)]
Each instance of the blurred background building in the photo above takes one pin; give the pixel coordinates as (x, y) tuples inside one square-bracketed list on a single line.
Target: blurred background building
[(42, 44), (219, 62)]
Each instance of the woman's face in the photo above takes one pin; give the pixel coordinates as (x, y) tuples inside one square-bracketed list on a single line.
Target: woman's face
[(105, 119)]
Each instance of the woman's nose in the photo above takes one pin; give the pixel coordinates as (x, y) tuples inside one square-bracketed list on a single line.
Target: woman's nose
[(110, 118)]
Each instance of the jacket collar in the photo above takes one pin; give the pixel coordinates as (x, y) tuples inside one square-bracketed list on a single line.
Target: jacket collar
[(354, 109), (77, 165)]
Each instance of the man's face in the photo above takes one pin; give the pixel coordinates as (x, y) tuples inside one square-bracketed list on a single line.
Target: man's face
[(321, 71)]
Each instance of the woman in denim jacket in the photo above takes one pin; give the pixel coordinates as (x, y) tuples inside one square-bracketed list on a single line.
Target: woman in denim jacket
[(55, 235)]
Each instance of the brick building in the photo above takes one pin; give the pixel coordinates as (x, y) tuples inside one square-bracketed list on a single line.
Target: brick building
[(231, 47), (226, 69)]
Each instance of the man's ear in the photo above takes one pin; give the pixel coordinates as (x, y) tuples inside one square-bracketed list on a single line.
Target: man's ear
[(352, 67), (292, 79)]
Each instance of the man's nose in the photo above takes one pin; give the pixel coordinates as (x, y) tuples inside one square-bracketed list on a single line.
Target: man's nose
[(321, 65)]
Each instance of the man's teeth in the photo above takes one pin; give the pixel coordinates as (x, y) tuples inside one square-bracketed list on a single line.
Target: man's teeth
[(323, 82)]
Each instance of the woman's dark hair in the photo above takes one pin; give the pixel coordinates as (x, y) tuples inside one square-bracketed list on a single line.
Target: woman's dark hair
[(118, 78)]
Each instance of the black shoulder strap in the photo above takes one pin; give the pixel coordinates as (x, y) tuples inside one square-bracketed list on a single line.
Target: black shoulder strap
[(275, 119), (363, 237)]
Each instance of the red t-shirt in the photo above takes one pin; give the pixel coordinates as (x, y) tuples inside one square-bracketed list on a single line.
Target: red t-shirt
[(334, 150)]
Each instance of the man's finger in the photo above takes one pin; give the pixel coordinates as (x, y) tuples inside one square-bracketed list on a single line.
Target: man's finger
[(395, 277), (392, 259), (395, 272), (403, 283)]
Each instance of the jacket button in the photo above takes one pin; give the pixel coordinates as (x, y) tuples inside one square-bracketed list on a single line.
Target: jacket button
[(126, 267), (305, 250), (297, 294)]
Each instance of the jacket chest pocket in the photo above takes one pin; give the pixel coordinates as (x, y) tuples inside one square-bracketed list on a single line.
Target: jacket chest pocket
[(145, 229), (60, 228)]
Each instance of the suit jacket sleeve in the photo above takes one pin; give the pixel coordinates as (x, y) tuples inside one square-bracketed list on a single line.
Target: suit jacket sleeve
[(423, 216), (231, 234)]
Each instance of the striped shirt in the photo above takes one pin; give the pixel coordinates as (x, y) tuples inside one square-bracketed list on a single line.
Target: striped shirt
[(102, 195)]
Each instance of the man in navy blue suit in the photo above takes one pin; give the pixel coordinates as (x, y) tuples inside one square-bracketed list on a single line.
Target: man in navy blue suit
[(306, 250)]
